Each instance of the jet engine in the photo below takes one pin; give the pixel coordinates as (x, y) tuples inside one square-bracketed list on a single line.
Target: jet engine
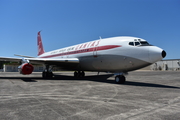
[(25, 69)]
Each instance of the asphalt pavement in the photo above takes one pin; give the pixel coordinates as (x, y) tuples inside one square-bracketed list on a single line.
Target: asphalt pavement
[(146, 95)]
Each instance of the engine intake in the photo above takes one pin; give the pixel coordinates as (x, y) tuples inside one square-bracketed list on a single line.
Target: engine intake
[(25, 69)]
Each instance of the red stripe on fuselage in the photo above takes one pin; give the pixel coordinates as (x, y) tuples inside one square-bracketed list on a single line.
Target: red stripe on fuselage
[(99, 48)]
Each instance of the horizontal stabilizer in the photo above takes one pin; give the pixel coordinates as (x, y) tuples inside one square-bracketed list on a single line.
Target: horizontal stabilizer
[(23, 56)]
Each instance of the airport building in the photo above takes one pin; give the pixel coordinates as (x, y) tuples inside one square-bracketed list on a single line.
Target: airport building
[(172, 65), (14, 68), (164, 65)]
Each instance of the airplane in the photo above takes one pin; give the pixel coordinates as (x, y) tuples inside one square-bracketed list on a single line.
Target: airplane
[(118, 55)]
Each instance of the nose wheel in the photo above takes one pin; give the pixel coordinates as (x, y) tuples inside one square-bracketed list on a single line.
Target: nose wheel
[(120, 79)]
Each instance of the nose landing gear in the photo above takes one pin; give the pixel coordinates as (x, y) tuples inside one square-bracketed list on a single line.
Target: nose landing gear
[(120, 78)]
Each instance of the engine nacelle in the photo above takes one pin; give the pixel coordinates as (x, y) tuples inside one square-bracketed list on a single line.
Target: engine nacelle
[(25, 69)]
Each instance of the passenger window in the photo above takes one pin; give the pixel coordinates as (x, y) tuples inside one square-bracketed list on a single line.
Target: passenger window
[(131, 43), (137, 43)]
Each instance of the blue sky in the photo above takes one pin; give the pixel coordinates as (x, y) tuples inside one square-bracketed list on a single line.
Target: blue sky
[(69, 22)]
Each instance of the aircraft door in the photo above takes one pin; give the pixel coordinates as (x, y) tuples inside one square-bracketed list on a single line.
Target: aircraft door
[(95, 52), (96, 49)]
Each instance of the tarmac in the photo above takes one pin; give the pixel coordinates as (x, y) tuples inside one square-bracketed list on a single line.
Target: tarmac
[(146, 95)]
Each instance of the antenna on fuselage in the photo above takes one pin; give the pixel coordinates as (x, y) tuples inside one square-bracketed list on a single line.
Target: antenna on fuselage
[(100, 37)]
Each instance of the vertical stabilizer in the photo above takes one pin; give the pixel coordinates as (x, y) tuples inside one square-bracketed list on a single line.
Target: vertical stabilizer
[(40, 45)]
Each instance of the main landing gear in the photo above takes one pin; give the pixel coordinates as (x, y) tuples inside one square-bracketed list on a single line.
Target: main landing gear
[(120, 79), (79, 74), (47, 73)]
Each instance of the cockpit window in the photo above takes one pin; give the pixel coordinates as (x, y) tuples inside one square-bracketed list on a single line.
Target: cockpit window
[(134, 43), (131, 43), (137, 43), (144, 43)]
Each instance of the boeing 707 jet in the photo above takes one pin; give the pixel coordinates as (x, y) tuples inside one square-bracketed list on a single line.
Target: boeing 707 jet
[(117, 55)]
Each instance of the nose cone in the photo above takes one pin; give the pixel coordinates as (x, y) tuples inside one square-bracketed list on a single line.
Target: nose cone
[(156, 54), (163, 54)]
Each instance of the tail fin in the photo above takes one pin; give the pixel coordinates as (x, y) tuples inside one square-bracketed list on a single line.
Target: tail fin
[(40, 45)]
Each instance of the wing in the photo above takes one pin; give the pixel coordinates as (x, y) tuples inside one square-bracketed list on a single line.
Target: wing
[(49, 61), (23, 56), (10, 59)]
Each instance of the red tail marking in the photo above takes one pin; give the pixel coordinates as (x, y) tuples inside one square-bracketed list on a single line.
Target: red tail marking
[(40, 45)]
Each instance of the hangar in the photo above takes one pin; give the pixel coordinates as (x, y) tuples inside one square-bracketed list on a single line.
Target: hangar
[(165, 65), (14, 68)]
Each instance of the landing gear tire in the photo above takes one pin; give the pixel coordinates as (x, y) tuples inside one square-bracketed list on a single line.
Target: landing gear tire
[(75, 74), (50, 74), (47, 74), (120, 79), (44, 74), (79, 74), (82, 74)]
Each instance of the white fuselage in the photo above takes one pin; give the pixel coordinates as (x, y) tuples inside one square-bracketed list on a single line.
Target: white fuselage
[(117, 54)]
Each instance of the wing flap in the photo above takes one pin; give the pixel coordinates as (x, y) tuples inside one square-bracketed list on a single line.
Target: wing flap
[(51, 60)]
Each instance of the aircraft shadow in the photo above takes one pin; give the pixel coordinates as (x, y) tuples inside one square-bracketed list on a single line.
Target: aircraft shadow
[(32, 79), (130, 83), (94, 78), (104, 79)]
